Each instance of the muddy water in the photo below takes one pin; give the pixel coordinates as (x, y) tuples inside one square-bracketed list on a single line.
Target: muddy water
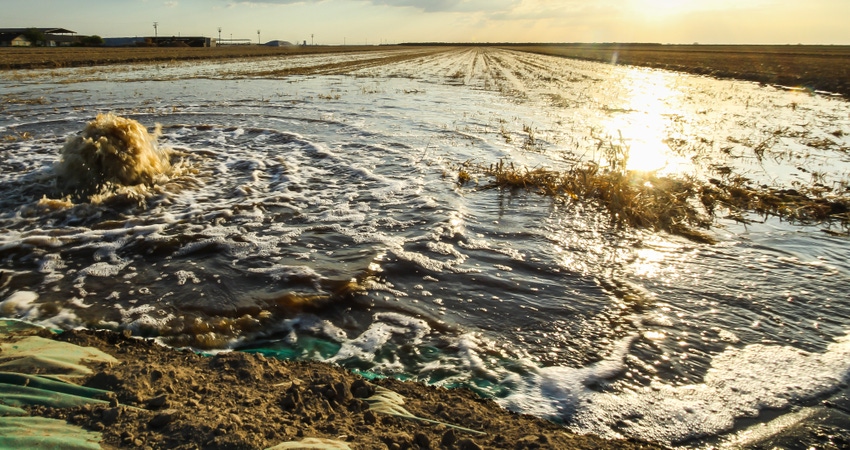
[(319, 216)]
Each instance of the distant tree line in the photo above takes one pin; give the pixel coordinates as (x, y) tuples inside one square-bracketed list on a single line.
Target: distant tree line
[(35, 36), (92, 41)]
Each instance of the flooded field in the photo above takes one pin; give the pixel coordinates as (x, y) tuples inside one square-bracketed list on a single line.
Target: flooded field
[(340, 207)]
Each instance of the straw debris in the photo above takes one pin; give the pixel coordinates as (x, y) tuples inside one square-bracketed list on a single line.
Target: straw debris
[(680, 206), (632, 199)]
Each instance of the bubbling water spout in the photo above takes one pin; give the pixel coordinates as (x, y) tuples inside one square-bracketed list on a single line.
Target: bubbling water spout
[(112, 151)]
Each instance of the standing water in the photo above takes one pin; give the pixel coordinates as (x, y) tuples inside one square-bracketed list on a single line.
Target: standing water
[(322, 216)]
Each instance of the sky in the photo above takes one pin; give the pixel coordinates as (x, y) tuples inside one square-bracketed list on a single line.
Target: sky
[(334, 22)]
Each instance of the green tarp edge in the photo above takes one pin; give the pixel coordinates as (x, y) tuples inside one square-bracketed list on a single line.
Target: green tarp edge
[(43, 433), (17, 429), (51, 384), (11, 411)]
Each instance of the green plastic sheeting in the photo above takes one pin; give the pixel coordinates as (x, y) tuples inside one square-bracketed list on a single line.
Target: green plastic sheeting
[(22, 390), (43, 433), (14, 325), (34, 354), (31, 372)]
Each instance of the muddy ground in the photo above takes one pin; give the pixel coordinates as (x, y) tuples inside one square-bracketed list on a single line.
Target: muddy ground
[(166, 398)]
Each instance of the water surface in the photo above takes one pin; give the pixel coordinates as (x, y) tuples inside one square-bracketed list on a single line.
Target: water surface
[(320, 216)]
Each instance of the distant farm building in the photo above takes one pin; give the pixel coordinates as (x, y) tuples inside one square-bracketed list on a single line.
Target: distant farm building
[(53, 37), (13, 40), (278, 44), (123, 41), (160, 41), (224, 42)]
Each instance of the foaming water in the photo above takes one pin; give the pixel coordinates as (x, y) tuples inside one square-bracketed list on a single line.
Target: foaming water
[(112, 150), (734, 387), (322, 217)]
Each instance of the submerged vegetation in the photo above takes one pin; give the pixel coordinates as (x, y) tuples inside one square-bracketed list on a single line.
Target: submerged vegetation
[(631, 198), (682, 206)]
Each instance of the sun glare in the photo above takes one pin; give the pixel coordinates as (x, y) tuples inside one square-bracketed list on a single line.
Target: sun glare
[(657, 9), (642, 120), (665, 9)]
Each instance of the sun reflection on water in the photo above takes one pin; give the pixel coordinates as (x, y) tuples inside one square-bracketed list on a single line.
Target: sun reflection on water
[(657, 259), (642, 120)]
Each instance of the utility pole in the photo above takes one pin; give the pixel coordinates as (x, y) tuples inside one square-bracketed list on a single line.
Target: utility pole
[(155, 35), (219, 37), (258, 37), (311, 39)]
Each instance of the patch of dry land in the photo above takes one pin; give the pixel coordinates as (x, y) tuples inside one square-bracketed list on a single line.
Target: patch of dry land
[(166, 398)]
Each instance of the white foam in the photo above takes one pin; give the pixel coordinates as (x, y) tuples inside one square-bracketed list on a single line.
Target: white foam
[(317, 326), (144, 317), (384, 328), (63, 320), (103, 269), (50, 263), (740, 383), (431, 264), (42, 241), (285, 272), (470, 350), (186, 275), (21, 305), (444, 248), (559, 391), (345, 213)]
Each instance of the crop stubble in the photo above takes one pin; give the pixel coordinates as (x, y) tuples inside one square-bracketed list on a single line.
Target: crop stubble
[(812, 66), (519, 72)]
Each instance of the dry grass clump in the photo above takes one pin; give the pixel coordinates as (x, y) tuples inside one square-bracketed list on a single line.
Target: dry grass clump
[(463, 177), (633, 199), (680, 206), (17, 136), (804, 205), (12, 100)]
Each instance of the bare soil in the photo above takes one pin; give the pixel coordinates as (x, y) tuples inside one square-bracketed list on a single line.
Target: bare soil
[(815, 67), (166, 398)]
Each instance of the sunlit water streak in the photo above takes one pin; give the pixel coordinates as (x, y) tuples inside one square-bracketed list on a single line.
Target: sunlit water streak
[(306, 188)]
